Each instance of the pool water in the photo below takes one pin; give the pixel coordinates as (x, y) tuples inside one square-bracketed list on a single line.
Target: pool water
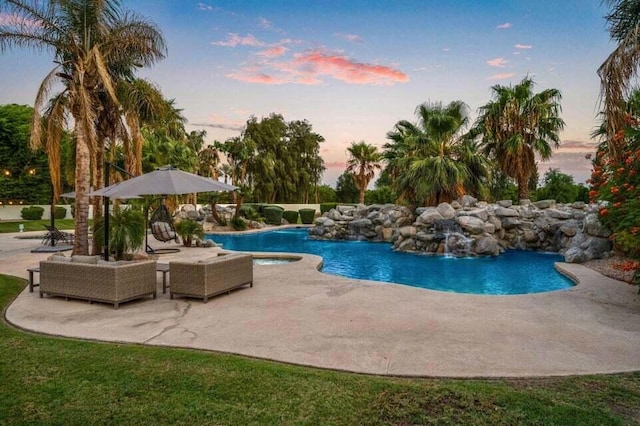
[(513, 272)]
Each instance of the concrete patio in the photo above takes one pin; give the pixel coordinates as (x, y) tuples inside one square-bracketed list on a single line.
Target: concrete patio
[(298, 315)]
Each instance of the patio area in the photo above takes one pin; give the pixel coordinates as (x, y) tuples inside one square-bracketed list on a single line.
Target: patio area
[(298, 315)]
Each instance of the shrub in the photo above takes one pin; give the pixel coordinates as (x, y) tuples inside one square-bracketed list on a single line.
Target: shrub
[(32, 213), (187, 229), (273, 215), (126, 232), (290, 216), (307, 216), (325, 207), (60, 212), (238, 224), (248, 212)]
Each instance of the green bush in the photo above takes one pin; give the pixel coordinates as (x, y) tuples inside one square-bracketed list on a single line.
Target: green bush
[(32, 213), (187, 229), (248, 212), (307, 216), (273, 215), (325, 207), (60, 212), (126, 232), (290, 216), (238, 224)]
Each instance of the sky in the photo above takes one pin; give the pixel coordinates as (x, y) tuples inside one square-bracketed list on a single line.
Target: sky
[(354, 68)]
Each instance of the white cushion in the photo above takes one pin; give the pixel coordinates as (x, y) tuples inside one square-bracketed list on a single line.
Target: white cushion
[(163, 231)]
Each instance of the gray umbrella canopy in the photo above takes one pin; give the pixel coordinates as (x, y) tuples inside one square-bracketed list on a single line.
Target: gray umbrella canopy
[(165, 180)]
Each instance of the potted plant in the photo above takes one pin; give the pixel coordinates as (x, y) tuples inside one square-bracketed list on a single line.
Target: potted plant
[(126, 232), (187, 229)]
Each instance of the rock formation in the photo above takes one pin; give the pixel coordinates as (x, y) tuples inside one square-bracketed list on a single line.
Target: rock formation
[(467, 227)]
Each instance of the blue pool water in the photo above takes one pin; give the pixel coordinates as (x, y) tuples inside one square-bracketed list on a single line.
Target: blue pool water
[(513, 272)]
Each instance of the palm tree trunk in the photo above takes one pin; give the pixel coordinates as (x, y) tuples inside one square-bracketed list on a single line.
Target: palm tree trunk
[(523, 187), (83, 179), (98, 182)]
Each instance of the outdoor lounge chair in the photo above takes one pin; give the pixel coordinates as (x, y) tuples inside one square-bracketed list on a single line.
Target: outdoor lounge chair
[(206, 278), (54, 235)]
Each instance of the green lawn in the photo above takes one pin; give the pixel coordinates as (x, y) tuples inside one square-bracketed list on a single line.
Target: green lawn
[(34, 225), (46, 380)]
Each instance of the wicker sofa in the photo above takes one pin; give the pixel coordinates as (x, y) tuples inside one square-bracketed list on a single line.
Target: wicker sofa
[(210, 277), (108, 282)]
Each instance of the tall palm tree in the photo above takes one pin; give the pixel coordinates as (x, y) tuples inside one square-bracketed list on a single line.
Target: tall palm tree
[(430, 162), (617, 71), (364, 159), (91, 40), (518, 124)]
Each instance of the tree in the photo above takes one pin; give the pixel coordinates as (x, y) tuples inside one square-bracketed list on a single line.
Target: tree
[(430, 162), (515, 125), (558, 186), (91, 41), (364, 159), (24, 174), (346, 189), (617, 71)]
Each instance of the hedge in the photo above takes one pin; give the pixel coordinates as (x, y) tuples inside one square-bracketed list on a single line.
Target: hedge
[(32, 213), (307, 216), (325, 207), (273, 215), (248, 212), (290, 216), (60, 212)]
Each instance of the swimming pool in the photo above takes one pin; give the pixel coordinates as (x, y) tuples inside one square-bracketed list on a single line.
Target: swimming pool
[(513, 272)]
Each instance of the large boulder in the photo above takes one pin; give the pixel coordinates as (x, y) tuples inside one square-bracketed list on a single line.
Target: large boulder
[(468, 201), (506, 212), (446, 211), (482, 214), (471, 224), (429, 216), (575, 255), (593, 226), (487, 245), (558, 214)]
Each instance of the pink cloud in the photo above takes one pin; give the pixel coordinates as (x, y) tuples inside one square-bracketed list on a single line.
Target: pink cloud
[(354, 38), (523, 46), (502, 76), (255, 77), (497, 62), (234, 40), (318, 62), (273, 52), (504, 26), (307, 68)]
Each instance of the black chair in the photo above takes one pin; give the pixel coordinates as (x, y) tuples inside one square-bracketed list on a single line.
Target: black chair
[(54, 235)]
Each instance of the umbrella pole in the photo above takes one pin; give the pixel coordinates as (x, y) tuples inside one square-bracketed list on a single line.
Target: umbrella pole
[(105, 244)]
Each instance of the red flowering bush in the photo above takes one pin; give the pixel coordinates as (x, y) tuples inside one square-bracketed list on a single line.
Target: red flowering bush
[(616, 180)]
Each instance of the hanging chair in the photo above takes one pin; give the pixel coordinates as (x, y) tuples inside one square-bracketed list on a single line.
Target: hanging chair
[(162, 229)]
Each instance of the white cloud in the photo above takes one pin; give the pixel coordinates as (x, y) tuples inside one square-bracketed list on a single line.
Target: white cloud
[(497, 62), (504, 26), (234, 40), (523, 46)]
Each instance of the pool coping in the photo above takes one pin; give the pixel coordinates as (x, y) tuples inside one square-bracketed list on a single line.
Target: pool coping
[(298, 315)]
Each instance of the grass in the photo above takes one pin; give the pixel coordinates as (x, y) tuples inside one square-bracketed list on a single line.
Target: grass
[(34, 225), (47, 380)]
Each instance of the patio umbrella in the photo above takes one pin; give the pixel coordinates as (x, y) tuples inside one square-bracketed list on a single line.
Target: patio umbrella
[(165, 181), (162, 181)]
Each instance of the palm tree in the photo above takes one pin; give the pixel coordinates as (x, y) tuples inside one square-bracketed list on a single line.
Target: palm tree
[(518, 124), (430, 162), (364, 160), (92, 41), (617, 71)]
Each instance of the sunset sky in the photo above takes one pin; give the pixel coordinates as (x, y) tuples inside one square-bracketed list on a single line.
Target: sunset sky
[(354, 68)]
